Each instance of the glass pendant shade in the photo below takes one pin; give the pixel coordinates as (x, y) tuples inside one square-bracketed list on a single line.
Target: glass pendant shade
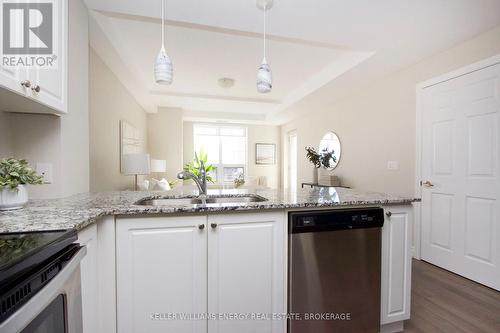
[(264, 78), (264, 75), (163, 65), (163, 68)]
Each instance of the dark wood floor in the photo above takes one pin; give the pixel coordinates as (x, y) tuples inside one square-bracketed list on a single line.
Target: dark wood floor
[(446, 302)]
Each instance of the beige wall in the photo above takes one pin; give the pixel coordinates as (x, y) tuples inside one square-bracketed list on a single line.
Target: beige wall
[(62, 141), (110, 102), (6, 149), (377, 124), (256, 134), (165, 139), (75, 125)]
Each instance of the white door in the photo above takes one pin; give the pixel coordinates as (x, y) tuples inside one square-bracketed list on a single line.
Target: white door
[(292, 161), (246, 271), (161, 272), (460, 173)]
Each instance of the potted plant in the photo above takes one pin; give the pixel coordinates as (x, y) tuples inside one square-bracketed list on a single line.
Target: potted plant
[(195, 165), (323, 159), (14, 176)]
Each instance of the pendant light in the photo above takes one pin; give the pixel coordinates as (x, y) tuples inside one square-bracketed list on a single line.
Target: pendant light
[(264, 75), (163, 64)]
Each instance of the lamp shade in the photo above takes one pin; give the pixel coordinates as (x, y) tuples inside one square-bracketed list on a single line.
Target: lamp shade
[(136, 164), (264, 78), (158, 165), (163, 68)]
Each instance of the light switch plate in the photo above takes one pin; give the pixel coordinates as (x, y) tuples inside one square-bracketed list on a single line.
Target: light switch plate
[(392, 165), (45, 170)]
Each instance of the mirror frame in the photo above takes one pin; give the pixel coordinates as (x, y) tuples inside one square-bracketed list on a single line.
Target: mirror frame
[(340, 146)]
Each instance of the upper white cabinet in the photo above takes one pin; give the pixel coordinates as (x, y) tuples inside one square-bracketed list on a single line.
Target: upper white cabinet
[(246, 270), (12, 79), (161, 271), (40, 89), (396, 264)]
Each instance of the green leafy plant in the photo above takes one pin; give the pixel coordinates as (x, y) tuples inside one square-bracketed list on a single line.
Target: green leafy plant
[(196, 163), (322, 159), (15, 172)]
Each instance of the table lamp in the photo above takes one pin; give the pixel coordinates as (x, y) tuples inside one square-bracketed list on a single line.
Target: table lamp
[(136, 164), (158, 165)]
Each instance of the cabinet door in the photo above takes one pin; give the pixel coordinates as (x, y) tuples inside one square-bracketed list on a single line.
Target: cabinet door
[(246, 271), (161, 272), (88, 271), (11, 79), (396, 264), (53, 82)]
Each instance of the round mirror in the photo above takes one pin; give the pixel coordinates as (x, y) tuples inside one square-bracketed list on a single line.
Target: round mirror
[(330, 145)]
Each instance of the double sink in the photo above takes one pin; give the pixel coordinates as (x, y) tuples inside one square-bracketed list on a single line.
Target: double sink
[(202, 200)]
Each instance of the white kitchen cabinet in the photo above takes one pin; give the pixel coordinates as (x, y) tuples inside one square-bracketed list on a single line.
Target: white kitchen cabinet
[(162, 265), (246, 270), (161, 270), (396, 264), (11, 79), (48, 87), (88, 271)]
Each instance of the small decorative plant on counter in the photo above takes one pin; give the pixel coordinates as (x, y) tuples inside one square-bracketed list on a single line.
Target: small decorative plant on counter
[(323, 159), (239, 180), (14, 176), (195, 165)]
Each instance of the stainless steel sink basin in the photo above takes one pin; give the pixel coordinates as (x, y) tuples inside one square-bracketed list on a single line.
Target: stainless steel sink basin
[(209, 200)]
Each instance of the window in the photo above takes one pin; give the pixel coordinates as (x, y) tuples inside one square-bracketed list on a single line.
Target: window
[(226, 147)]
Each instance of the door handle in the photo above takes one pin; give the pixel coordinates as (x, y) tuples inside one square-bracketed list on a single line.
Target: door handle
[(201, 226), (427, 183), (213, 225)]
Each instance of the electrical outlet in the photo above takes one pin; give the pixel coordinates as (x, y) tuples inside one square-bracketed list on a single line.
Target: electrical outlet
[(45, 170), (392, 165)]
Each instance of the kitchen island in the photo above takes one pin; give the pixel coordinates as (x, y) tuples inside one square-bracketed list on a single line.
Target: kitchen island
[(147, 262)]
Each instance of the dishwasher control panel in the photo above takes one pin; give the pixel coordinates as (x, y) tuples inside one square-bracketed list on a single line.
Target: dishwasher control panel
[(335, 219)]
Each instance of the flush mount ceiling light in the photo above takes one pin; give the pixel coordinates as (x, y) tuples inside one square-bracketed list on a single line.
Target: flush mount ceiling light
[(163, 64), (225, 82), (264, 75)]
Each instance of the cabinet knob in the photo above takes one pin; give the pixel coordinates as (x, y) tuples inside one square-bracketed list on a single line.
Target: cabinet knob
[(213, 225), (201, 226), (26, 83), (388, 213), (36, 88)]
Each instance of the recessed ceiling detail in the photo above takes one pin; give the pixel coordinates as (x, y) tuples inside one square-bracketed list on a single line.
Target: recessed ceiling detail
[(200, 56), (320, 51)]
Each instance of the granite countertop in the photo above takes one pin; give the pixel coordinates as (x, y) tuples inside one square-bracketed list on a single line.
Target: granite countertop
[(81, 210)]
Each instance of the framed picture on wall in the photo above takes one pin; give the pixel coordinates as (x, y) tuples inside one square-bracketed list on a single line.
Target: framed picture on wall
[(130, 141), (265, 153)]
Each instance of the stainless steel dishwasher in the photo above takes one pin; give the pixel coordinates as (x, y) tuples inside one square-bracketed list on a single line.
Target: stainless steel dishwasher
[(334, 270)]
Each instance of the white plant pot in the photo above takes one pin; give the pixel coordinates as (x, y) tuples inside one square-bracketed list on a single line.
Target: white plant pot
[(13, 199)]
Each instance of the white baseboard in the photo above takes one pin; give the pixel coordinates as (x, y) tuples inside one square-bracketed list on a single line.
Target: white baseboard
[(392, 327)]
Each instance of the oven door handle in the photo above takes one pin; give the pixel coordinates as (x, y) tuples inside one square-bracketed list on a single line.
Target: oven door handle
[(23, 316)]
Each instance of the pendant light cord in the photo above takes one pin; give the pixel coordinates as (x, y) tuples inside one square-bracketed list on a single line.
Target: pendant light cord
[(162, 24), (265, 10)]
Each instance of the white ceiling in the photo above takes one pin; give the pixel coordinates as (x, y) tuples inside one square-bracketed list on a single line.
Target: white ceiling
[(327, 46)]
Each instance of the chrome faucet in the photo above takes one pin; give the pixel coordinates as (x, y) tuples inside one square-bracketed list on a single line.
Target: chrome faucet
[(200, 180)]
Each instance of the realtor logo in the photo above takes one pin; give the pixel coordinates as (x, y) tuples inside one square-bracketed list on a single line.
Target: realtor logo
[(28, 33), (27, 28)]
